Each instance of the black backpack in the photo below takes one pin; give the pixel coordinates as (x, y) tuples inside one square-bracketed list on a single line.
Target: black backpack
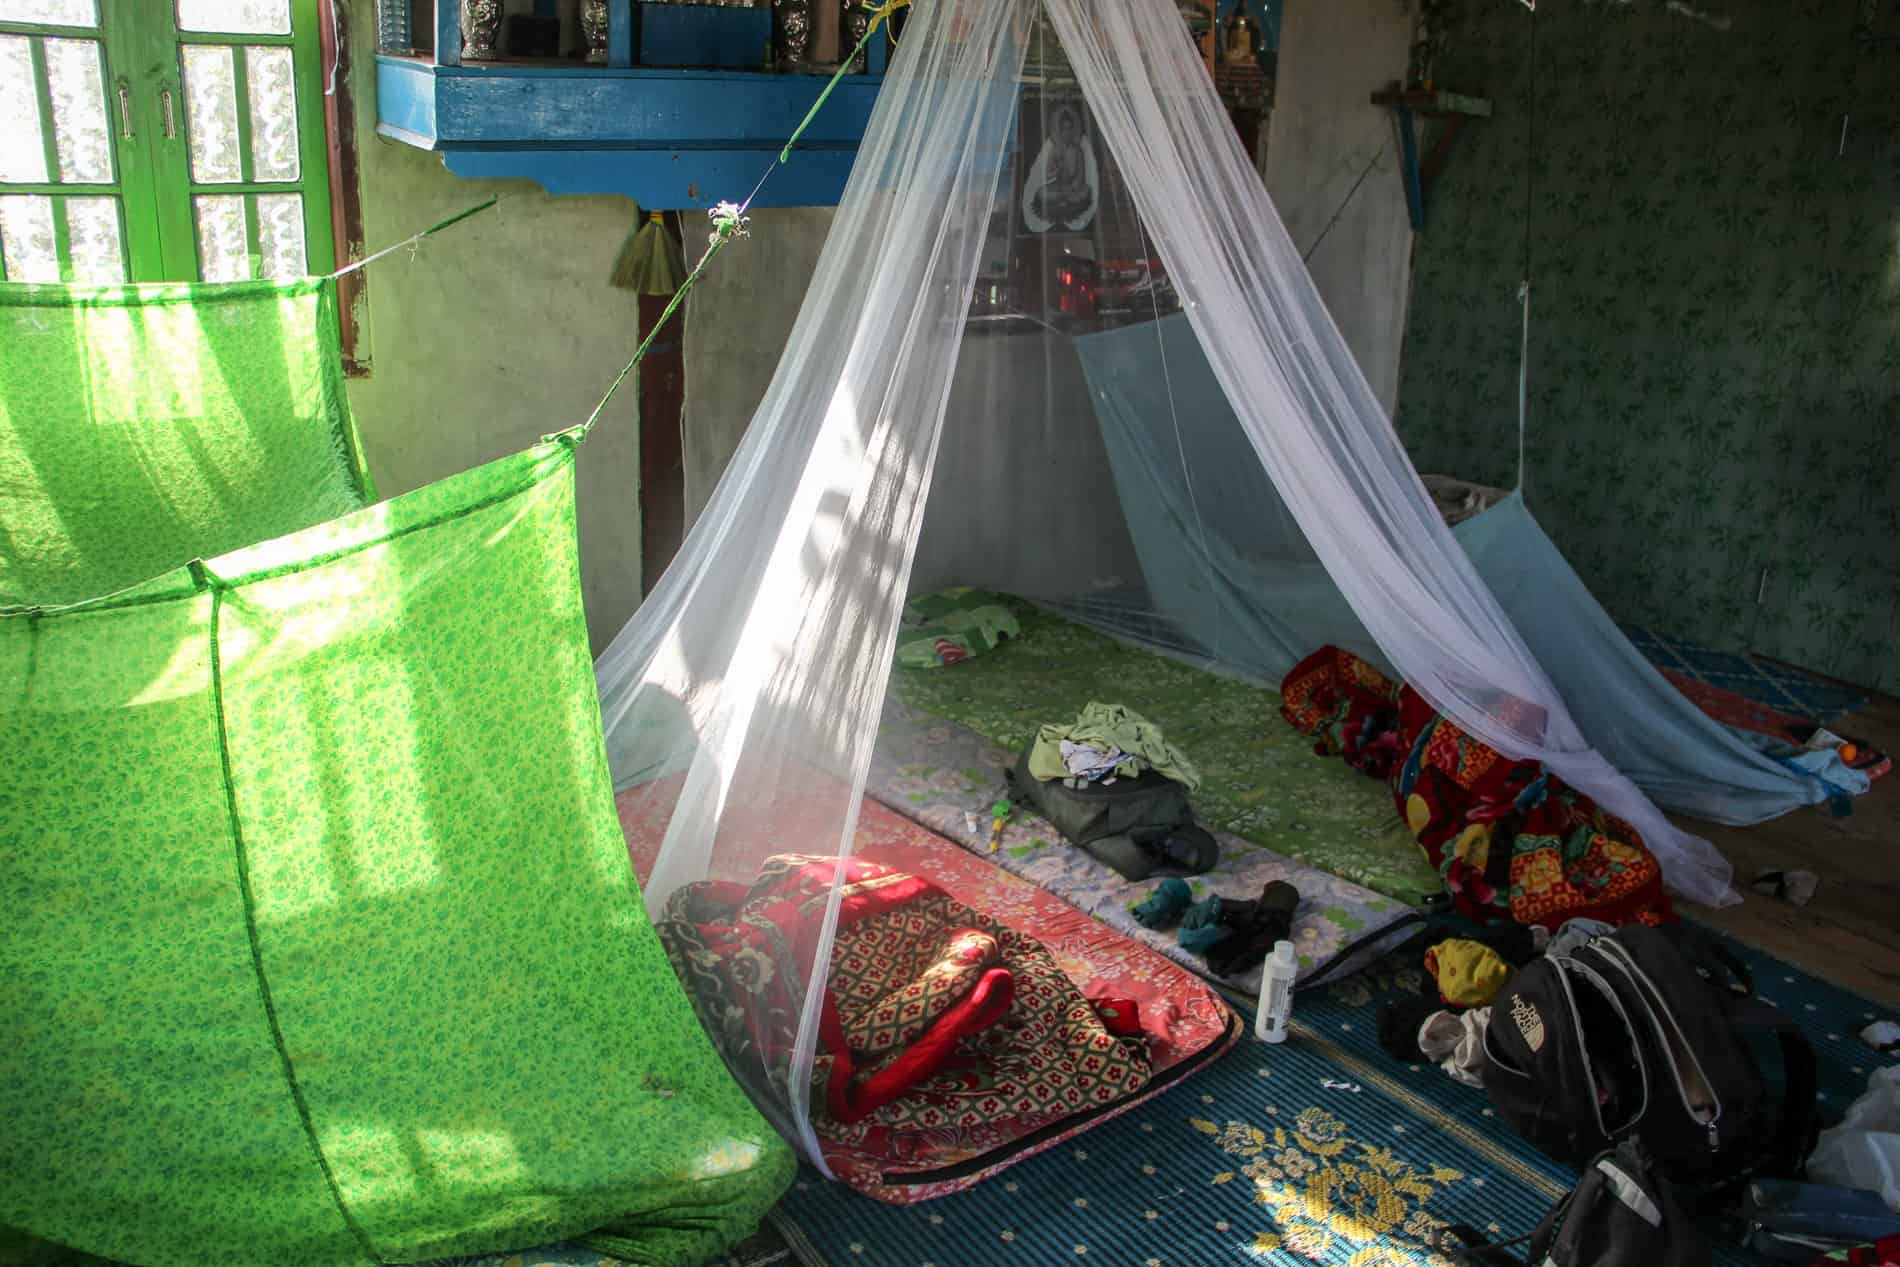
[(1119, 823), (1622, 1213), (1645, 1032)]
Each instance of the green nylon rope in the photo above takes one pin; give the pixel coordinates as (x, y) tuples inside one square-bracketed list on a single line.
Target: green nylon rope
[(729, 219)]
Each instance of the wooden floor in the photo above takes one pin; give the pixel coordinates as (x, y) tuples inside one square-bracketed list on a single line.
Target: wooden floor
[(1850, 933)]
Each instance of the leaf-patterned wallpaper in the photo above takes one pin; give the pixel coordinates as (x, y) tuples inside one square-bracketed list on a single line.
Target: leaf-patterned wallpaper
[(1715, 339)]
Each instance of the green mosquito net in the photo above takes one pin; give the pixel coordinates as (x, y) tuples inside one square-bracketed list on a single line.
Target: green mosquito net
[(322, 945), (141, 426)]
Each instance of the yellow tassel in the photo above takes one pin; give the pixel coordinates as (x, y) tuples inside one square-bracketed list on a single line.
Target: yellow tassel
[(650, 261)]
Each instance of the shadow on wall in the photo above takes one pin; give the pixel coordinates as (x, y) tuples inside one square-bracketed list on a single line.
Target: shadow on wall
[(742, 313), (496, 334)]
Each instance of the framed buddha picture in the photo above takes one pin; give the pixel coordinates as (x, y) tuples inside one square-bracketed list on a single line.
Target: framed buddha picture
[(1061, 189)]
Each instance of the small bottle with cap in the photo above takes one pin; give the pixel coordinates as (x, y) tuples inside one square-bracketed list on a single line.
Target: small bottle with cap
[(1276, 993)]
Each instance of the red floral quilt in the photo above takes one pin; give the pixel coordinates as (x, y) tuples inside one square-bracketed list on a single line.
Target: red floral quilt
[(1511, 840), (906, 1148)]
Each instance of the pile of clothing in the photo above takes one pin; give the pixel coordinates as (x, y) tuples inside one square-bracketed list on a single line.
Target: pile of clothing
[(1232, 934), (1465, 970), (953, 625), (1106, 742), (1113, 786), (1511, 840)]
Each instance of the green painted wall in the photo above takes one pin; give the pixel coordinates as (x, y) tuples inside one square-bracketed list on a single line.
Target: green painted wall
[(1715, 351)]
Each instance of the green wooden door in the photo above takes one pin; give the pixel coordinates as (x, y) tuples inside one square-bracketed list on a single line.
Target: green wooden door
[(147, 140), (63, 211)]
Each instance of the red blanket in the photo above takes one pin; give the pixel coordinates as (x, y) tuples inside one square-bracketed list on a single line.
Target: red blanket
[(934, 1017), (1511, 840)]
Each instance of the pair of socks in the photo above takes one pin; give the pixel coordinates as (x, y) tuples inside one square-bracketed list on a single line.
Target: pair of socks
[(1165, 905), (1230, 933), (1256, 926), (1202, 925), (1173, 903)]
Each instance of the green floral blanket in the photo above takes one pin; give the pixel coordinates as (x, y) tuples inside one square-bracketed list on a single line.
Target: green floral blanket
[(1260, 779)]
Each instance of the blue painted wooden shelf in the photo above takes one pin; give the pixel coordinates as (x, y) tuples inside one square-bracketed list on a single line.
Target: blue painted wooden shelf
[(668, 139)]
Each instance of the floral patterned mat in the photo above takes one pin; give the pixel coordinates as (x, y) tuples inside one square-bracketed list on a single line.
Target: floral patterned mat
[(946, 777), (1323, 1149), (1261, 780), (1281, 1155), (1186, 1023)]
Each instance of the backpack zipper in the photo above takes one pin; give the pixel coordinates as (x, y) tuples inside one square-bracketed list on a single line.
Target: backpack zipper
[(1576, 1024), (1642, 1064), (1659, 1012)]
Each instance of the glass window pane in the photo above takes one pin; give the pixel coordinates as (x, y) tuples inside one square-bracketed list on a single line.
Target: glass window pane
[(211, 114), (246, 17), (78, 89), (62, 12), (26, 239), (280, 234), (22, 151), (223, 255), (273, 94), (92, 227)]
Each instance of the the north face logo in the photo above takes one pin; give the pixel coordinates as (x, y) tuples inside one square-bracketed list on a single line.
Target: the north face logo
[(1529, 1023)]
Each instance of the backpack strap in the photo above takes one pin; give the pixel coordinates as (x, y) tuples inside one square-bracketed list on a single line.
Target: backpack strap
[(1466, 1246), (1786, 1153), (1714, 960)]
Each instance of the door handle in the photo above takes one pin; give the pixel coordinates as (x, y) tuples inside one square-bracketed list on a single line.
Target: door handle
[(125, 110), (171, 122)]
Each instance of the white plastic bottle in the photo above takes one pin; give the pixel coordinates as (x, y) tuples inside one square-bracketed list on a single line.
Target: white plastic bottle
[(1276, 993)]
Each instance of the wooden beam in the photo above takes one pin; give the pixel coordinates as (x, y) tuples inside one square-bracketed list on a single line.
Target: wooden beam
[(1408, 167), (673, 180), (1452, 111), (662, 444), (346, 191)]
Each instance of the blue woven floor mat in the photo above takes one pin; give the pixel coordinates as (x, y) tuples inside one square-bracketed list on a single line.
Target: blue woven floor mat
[(1324, 1149)]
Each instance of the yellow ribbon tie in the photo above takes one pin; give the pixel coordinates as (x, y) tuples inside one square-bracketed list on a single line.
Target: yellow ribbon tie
[(883, 11)]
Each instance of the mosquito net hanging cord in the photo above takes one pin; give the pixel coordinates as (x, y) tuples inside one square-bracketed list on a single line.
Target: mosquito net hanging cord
[(728, 222), (1524, 286), (729, 219), (1306, 256), (415, 239)]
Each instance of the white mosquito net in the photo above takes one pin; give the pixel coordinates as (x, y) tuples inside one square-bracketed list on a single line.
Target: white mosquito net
[(1059, 345)]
